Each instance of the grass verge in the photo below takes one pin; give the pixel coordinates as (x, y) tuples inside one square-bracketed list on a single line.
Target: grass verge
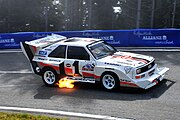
[(24, 116)]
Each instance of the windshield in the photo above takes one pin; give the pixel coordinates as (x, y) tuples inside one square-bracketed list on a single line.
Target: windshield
[(101, 50)]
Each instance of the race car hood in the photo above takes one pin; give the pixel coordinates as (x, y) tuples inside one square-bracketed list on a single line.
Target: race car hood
[(127, 59)]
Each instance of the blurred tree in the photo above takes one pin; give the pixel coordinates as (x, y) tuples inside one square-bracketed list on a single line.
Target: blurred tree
[(57, 15)]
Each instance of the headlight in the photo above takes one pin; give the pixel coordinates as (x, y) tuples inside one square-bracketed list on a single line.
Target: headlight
[(138, 71), (127, 69)]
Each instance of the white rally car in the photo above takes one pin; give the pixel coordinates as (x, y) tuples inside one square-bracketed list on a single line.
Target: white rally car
[(90, 60)]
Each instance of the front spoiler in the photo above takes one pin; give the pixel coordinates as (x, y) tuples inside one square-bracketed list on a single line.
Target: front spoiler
[(156, 78)]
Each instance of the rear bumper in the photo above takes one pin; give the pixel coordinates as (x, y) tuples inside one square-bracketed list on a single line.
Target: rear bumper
[(153, 80)]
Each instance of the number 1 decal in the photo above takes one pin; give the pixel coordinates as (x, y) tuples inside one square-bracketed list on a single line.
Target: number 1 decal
[(61, 68), (76, 66)]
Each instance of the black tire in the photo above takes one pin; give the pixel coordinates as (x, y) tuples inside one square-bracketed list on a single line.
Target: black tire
[(49, 77), (110, 81)]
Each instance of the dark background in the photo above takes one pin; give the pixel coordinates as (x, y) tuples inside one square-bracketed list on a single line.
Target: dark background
[(62, 15)]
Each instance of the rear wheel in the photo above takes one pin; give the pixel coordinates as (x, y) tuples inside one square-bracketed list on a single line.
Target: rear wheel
[(110, 81), (50, 77)]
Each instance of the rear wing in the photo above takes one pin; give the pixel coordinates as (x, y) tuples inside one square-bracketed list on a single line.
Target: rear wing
[(29, 48)]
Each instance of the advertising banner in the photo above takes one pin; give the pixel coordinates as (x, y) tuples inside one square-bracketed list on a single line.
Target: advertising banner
[(117, 38), (154, 38), (12, 40)]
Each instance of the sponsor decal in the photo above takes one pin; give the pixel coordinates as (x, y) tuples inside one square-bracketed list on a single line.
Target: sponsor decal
[(164, 37), (68, 65), (109, 38), (149, 66), (127, 57), (114, 64), (48, 49), (88, 67), (127, 69), (125, 63), (81, 79), (10, 40), (149, 36), (39, 58), (142, 33), (36, 35), (43, 53), (123, 80), (90, 34), (54, 60)]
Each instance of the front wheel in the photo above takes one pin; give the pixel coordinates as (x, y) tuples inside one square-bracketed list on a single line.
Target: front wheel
[(110, 81), (50, 77)]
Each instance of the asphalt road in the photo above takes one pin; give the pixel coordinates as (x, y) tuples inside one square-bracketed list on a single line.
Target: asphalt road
[(161, 102)]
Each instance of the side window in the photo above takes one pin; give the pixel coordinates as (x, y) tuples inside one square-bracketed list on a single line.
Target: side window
[(59, 52), (77, 53)]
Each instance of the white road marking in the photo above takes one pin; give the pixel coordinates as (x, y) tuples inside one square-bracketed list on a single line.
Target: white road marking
[(9, 51), (7, 86), (83, 115), (11, 72)]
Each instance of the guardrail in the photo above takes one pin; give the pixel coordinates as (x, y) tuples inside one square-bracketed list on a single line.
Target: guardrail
[(117, 38)]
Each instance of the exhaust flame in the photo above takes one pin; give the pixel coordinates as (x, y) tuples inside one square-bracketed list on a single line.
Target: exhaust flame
[(65, 83)]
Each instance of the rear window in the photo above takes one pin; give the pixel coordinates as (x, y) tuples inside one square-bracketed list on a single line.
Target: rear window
[(59, 52), (77, 53)]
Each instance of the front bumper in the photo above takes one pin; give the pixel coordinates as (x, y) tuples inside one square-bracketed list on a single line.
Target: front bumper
[(152, 80)]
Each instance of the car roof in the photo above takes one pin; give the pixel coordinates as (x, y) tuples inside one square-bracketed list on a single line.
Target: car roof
[(77, 41)]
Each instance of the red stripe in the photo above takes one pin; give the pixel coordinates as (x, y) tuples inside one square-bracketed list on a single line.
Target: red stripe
[(48, 65), (127, 83), (130, 58), (34, 47), (68, 70), (90, 75)]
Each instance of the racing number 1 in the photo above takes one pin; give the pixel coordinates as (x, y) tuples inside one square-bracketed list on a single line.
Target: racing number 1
[(76, 67)]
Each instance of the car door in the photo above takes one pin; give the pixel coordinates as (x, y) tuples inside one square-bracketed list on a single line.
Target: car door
[(78, 63)]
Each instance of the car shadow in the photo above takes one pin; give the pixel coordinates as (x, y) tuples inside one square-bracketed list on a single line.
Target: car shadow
[(93, 91)]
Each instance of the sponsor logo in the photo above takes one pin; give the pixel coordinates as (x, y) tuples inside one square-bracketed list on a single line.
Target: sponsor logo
[(124, 63), (68, 65), (41, 59), (127, 69), (114, 64), (164, 37), (144, 33), (42, 52), (149, 66), (11, 40), (149, 36), (36, 35), (88, 67), (54, 60), (48, 49), (97, 35), (122, 80)]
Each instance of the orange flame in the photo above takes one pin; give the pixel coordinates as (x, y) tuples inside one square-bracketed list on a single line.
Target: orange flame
[(65, 83)]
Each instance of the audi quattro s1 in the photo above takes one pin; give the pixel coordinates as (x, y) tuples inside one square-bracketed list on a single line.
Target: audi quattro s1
[(90, 60)]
